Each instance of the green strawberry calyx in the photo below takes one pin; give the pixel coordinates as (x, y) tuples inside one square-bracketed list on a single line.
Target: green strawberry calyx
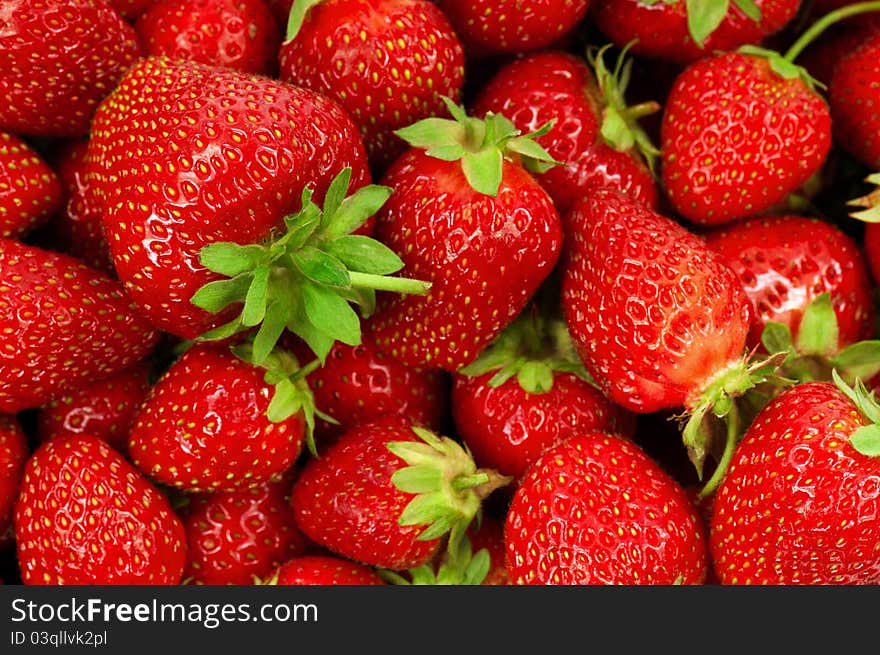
[(865, 439), (869, 204), (620, 128), (448, 486), (306, 279), (456, 567), (298, 12), (704, 16), (481, 145)]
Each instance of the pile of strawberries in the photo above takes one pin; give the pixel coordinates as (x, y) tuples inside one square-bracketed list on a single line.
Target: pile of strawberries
[(451, 292)]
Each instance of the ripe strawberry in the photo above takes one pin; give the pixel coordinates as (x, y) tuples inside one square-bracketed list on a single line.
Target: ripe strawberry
[(131, 9), (14, 452), (495, 27), (87, 516), (387, 63), (29, 189), (595, 136), (681, 31), (59, 58), (359, 383), (105, 408), (852, 94), (595, 509), (387, 491), (63, 324), (786, 262), (467, 216), (798, 503), (238, 34), (741, 131), (214, 422), (324, 570), (237, 536)]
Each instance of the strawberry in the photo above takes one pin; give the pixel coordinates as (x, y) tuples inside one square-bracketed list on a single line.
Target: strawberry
[(14, 451), (594, 509), (87, 516), (392, 512), (63, 324), (324, 570), (852, 94), (525, 393), (238, 34), (495, 27), (29, 189), (386, 63), (740, 132), (785, 262), (105, 408), (214, 422), (131, 9), (359, 383), (684, 31), (594, 135), (467, 216), (233, 537), (462, 566), (59, 58), (798, 502)]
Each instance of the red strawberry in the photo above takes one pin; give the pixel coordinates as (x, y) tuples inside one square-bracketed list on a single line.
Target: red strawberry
[(238, 34), (131, 9), (683, 31), (852, 94), (29, 189), (474, 223), (59, 58), (214, 422), (596, 510), (594, 135), (63, 324), (324, 570), (741, 131), (14, 452), (798, 504), (87, 516), (237, 536), (387, 491), (786, 262), (386, 63), (494, 27), (105, 408)]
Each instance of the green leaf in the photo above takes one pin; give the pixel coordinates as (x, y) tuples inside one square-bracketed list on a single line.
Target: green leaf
[(615, 130), (859, 360), (818, 332), (777, 338), (274, 322), (355, 210), (537, 159), (232, 259), (749, 8), (320, 267), (286, 401), (866, 440), (432, 132), (478, 568), (361, 253), (300, 227), (319, 341), (336, 192), (859, 396), (483, 170), (255, 302), (331, 314), (535, 377), (704, 17), (215, 296), (222, 332), (297, 16), (450, 152), (424, 509), (418, 479)]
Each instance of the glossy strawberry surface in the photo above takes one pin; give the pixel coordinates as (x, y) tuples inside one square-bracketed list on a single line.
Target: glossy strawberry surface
[(14, 452), (325, 570), (852, 94), (30, 191)]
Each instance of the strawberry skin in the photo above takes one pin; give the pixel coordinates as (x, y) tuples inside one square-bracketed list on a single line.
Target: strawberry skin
[(63, 324), (596, 510), (233, 537), (14, 452), (30, 191), (204, 426), (485, 256), (228, 155), (737, 138), (238, 34), (799, 504), (59, 58), (654, 314), (785, 262), (507, 428), (852, 94), (324, 570), (555, 85), (87, 516), (386, 63)]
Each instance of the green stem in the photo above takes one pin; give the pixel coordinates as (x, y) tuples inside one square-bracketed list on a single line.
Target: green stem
[(729, 446), (641, 110), (388, 283), (823, 23)]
